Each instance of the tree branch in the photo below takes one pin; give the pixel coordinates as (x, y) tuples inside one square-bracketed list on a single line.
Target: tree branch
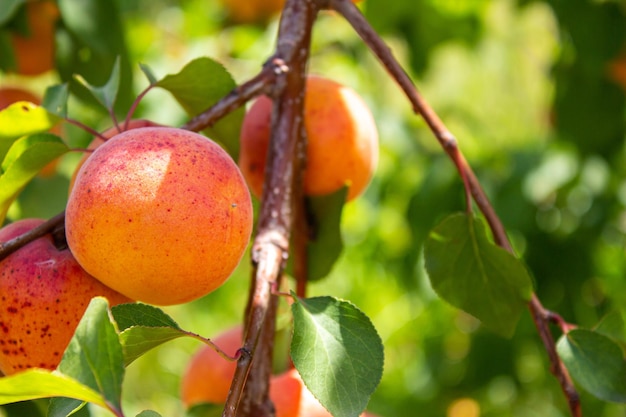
[(472, 185), (281, 190)]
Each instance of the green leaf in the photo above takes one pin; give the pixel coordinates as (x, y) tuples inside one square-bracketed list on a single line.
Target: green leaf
[(205, 410), (612, 325), (94, 355), (39, 383), (473, 274), (32, 408), (147, 71), (595, 362), (8, 9), (338, 353), (148, 413), (138, 314), (139, 340), (64, 407), (106, 94), (21, 119), (199, 85), (93, 28), (55, 99), (143, 327), (26, 157), (326, 245)]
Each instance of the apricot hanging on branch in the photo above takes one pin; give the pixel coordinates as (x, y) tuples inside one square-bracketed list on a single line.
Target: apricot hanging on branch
[(160, 214), (342, 146)]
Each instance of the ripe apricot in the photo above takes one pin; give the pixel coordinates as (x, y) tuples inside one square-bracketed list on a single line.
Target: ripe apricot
[(160, 214), (342, 140), (43, 295), (292, 398), (34, 53), (250, 11), (208, 375), (107, 134)]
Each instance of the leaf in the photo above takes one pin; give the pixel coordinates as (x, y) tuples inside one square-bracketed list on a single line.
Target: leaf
[(55, 99), (32, 408), (338, 353), (595, 362), (137, 314), (64, 407), (94, 355), (147, 71), (106, 94), (205, 410), (326, 245), (199, 85), (148, 413), (93, 27), (144, 327), (21, 119), (612, 326), (473, 274), (40, 383), (8, 9), (26, 157), (139, 340)]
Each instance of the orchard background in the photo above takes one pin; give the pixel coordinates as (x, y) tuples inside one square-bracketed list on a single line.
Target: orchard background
[(535, 93)]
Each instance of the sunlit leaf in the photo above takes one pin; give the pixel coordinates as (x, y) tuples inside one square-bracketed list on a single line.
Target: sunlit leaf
[(199, 85), (21, 119), (39, 383), (473, 274), (26, 157), (143, 327), (338, 353), (94, 355), (595, 362), (148, 413)]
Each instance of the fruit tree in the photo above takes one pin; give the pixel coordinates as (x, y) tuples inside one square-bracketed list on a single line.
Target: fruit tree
[(249, 208)]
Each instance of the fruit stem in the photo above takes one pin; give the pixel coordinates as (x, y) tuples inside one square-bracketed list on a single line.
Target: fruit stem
[(473, 188)]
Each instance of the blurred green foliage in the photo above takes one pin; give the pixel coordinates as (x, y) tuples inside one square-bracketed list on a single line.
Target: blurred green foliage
[(528, 90)]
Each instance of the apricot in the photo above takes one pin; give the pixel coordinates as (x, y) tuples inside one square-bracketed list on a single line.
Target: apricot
[(34, 53), (342, 144), (292, 398), (43, 295), (107, 134), (250, 11), (160, 214), (208, 376)]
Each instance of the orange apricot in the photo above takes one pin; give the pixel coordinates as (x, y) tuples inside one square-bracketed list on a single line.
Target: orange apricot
[(34, 53), (292, 398), (250, 11), (107, 134), (43, 295), (342, 146), (208, 375), (160, 214)]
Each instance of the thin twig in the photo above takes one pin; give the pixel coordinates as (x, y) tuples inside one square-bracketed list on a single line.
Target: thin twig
[(14, 244), (472, 185)]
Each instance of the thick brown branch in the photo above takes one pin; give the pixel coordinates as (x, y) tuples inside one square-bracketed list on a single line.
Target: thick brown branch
[(472, 185), (281, 189)]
